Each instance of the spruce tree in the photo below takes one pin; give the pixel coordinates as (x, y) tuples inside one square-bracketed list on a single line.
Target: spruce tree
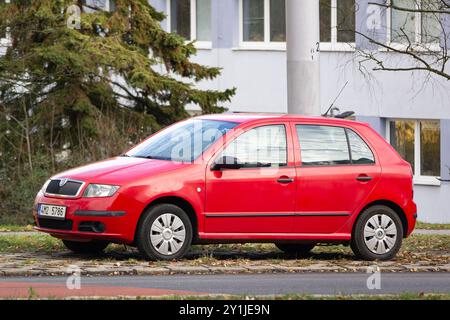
[(106, 62)]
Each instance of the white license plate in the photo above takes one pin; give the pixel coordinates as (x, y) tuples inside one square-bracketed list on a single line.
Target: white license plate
[(56, 212)]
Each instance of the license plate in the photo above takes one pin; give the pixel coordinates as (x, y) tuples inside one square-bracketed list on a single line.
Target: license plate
[(49, 211)]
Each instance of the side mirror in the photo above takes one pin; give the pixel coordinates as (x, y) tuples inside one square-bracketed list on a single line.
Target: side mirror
[(226, 162)]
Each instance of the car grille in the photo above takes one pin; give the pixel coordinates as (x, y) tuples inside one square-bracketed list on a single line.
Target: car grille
[(69, 189), (55, 224)]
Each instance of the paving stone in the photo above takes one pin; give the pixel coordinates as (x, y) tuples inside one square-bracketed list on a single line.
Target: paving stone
[(260, 269), (393, 269), (29, 264), (220, 269), (17, 272), (96, 271), (299, 269), (324, 267), (154, 270), (280, 268), (187, 269)]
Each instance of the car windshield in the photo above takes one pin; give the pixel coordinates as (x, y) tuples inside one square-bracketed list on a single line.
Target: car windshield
[(182, 142)]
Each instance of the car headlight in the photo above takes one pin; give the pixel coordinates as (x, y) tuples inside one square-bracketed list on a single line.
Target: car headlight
[(100, 191), (44, 187)]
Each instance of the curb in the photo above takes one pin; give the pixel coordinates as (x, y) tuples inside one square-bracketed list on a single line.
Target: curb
[(214, 270)]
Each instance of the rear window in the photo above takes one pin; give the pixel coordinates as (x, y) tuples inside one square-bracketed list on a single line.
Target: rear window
[(328, 145)]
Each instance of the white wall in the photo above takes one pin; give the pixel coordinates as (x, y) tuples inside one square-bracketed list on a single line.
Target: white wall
[(433, 203), (260, 77)]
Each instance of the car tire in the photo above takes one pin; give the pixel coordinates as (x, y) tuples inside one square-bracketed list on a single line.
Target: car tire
[(91, 247), (298, 249), (377, 234), (164, 233)]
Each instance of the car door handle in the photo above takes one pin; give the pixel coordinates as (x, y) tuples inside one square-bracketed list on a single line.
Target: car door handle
[(285, 180), (364, 178)]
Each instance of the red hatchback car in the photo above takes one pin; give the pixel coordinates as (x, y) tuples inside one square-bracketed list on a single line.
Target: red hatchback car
[(292, 180)]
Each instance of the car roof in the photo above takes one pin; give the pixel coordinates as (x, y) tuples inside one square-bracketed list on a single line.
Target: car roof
[(253, 117)]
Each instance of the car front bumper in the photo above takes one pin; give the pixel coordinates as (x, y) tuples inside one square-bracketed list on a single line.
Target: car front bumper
[(89, 219)]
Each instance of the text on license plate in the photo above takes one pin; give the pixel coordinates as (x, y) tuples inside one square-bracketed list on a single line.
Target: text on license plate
[(57, 212)]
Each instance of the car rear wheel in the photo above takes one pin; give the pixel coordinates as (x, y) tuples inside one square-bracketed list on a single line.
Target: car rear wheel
[(165, 233), (378, 234), (91, 247), (299, 249)]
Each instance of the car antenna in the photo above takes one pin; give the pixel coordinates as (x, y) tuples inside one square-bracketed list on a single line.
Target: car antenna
[(337, 97)]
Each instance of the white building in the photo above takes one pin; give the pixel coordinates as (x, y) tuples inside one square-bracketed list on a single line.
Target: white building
[(411, 109), (247, 39)]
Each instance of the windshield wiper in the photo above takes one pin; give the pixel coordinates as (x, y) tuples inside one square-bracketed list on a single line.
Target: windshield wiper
[(150, 157)]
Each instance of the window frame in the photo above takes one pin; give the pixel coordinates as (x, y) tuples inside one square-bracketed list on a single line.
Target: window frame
[(281, 46), (418, 179), (334, 45), (346, 129), (417, 45), (266, 44), (198, 44), (245, 131)]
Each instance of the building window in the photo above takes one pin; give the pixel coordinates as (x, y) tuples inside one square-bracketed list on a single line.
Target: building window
[(419, 143), (337, 23), (253, 20), (415, 27), (263, 22), (190, 19), (277, 21), (203, 21)]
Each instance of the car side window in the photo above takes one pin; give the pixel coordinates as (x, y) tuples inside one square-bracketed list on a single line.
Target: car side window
[(329, 145), (361, 153), (323, 145), (264, 146)]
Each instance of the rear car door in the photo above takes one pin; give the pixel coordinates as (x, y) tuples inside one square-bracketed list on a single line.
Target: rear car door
[(336, 171), (259, 196)]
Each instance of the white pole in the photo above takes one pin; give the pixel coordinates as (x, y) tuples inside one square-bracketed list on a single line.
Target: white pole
[(303, 67)]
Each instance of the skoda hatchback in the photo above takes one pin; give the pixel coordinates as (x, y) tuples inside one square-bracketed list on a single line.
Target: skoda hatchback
[(291, 180)]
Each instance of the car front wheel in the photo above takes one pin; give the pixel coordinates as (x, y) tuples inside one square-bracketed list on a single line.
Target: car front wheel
[(165, 233), (378, 234)]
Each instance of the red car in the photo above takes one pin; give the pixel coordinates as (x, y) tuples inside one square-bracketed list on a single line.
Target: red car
[(292, 180)]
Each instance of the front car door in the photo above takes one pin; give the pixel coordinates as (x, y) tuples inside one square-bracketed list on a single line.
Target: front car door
[(336, 172), (259, 196)]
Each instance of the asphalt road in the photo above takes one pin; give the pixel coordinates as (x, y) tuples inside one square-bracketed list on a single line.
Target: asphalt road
[(258, 284)]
